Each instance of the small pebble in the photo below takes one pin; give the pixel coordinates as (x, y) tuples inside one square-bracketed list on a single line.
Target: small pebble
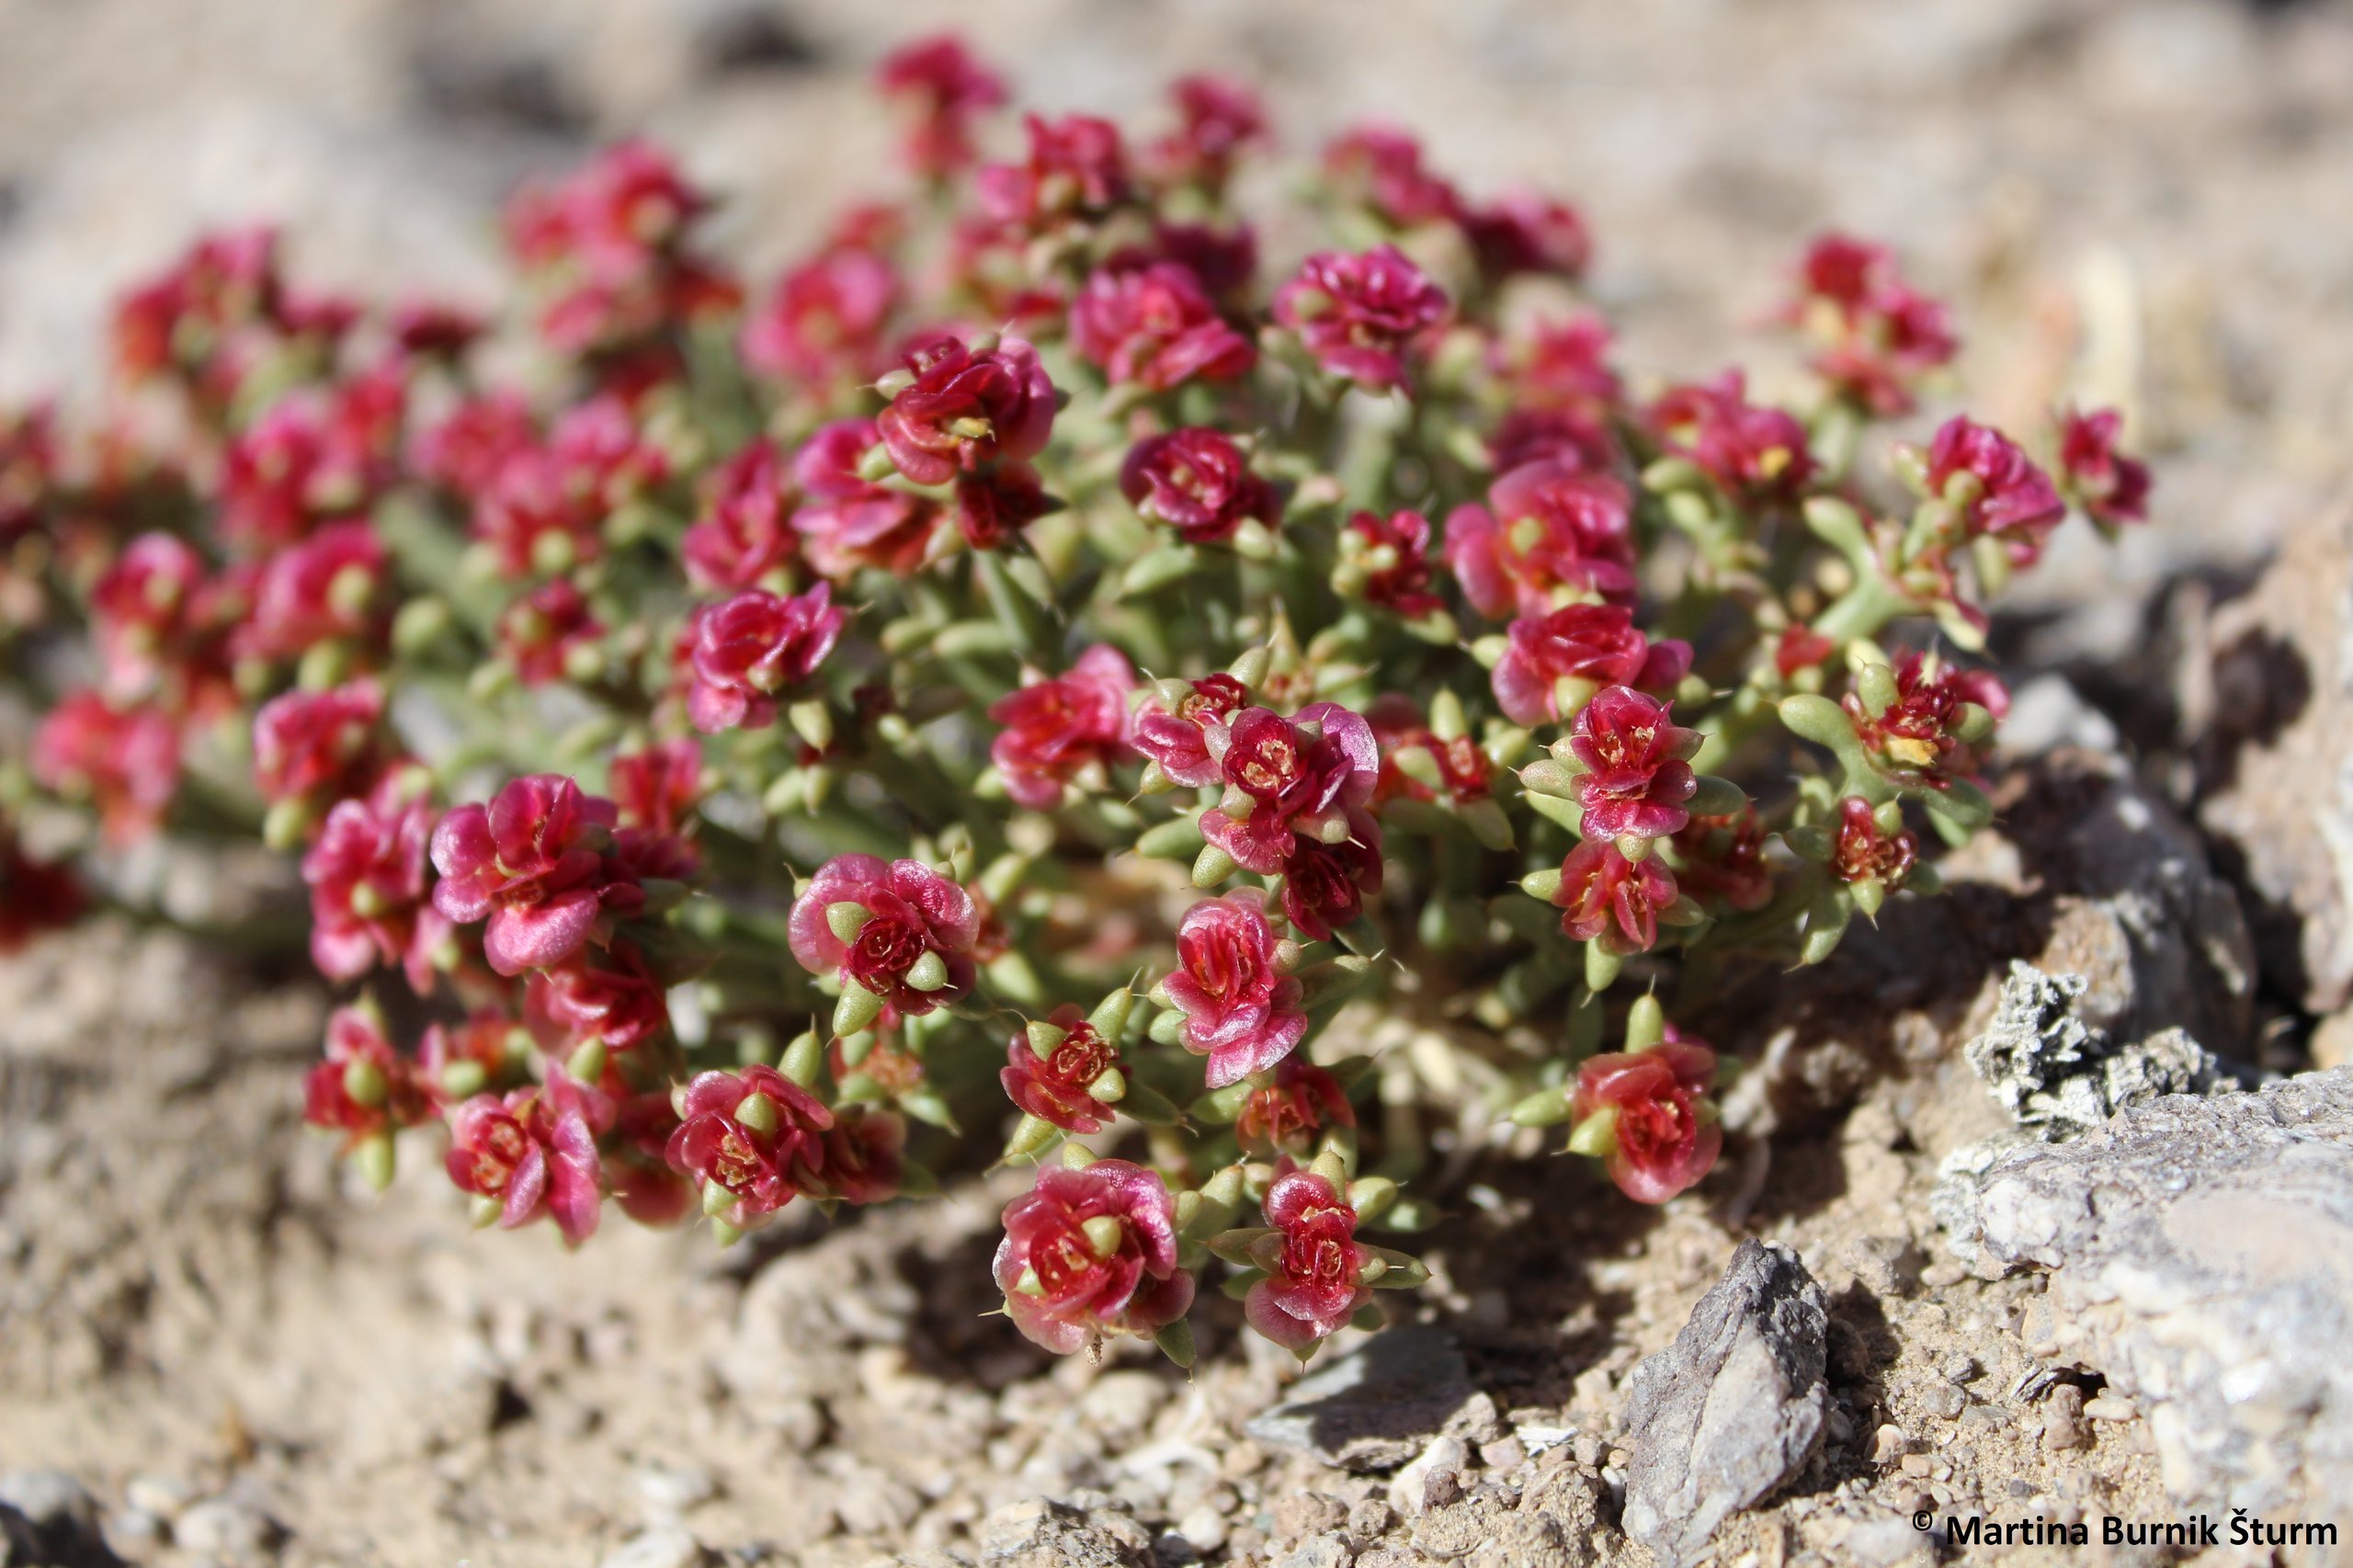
[(1371, 1519), (1888, 1444), (1943, 1399), (1503, 1456), (1304, 1514), (1204, 1528), (1585, 1448), (162, 1495), (664, 1546), (222, 1526), (2062, 1414), (1318, 1552), (1916, 1464), (2110, 1407), (669, 1489), (1961, 1367)]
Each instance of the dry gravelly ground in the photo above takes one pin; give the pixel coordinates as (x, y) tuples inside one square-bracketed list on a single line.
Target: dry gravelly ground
[(190, 1312)]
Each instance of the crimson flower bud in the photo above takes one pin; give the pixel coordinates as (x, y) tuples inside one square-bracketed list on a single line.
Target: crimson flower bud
[(367, 888), (1173, 736), (611, 998), (1521, 233), (2014, 501), (1218, 116), (1361, 316), (748, 649), (946, 87), (1755, 454), (1866, 852), (912, 912), (825, 323), (359, 1056), (1077, 165), (327, 587), (1057, 1085), (1636, 777), (1315, 1286), (1152, 324), (1054, 728), (533, 1152), (748, 1140), (2111, 488), (966, 409), (847, 520), (1552, 527), (125, 761), (1092, 1252), (1299, 775), (528, 864), (318, 745), (1590, 646), (1878, 335), (745, 532), (1381, 168), (1662, 1137), (1387, 562), (1916, 738), (548, 631), (1198, 483), (1241, 1011), (1287, 1114), (1606, 898)]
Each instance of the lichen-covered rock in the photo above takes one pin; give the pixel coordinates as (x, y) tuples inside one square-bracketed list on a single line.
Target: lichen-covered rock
[(2200, 1252), (1721, 1418), (2277, 761)]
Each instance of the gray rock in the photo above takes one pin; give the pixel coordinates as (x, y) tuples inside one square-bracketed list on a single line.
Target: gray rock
[(2276, 758), (1375, 1407), (2201, 1257), (1730, 1410), (1042, 1533), (48, 1519)]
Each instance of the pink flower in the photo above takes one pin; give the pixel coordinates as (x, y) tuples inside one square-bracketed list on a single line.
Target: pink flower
[(1608, 898), (753, 646), (655, 789), (1152, 325), (865, 1156), (1397, 725), (356, 1038), (1393, 552), (1175, 735), (327, 587), (318, 745), (911, 909), (1913, 739), (142, 608), (539, 632), (464, 452), (849, 522), (531, 864), (1325, 884), (1878, 337), (368, 889), (1589, 646), (1077, 166), (2110, 487), (1636, 776), (1359, 315), (534, 1153), (1755, 454), (1524, 233), (1217, 117), (310, 456), (1382, 168), (1241, 1011), (744, 531), (1561, 363), (1054, 729), (1569, 438), (1666, 1137), (1302, 776), (1068, 1282), (825, 321), (1553, 527), (1198, 483), (946, 87), (1723, 858), (123, 761), (1863, 853), (2015, 503), (1315, 1286), (614, 998), (967, 409), (535, 519), (993, 506), (762, 1168), (1288, 1113), (1057, 1088)]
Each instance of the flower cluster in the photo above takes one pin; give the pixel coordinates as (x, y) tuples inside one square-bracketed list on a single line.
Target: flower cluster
[(735, 747)]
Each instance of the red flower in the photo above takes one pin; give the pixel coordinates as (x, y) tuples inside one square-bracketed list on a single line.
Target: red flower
[(327, 587), (1241, 1011), (1561, 363), (1878, 335), (1607, 897), (1305, 775), (744, 532), (995, 506), (2111, 488), (1393, 555), (748, 648), (1154, 325), (1569, 438), (2015, 503), (487, 1038), (1800, 648), (1553, 527), (1587, 645), (1382, 168), (1068, 1281), (535, 519), (849, 522), (967, 409), (1315, 1287), (393, 1094), (35, 895), (1666, 1138), (1463, 769), (1524, 233), (318, 745), (1914, 738), (1755, 454), (368, 889), (310, 456), (614, 998), (1863, 853), (1359, 315), (865, 1156), (948, 89), (1723, 858), (142, 610), (1636, 776), (1077, 166), (1217, 118), (1198, 483), (122, 759), (534, 1153), (435, 329), (464, 452), (911, 911), (825, 321), (1055, 728), (1288, 1113), (761, 1167), (1325, 884), (655, 789), (1173, 736), (1057, 1086), (531, 864), (538, 632)]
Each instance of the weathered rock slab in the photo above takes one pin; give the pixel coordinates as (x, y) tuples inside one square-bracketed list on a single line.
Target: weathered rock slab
[(1721, 1418)]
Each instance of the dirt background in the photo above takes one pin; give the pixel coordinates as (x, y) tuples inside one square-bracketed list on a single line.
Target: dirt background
[(2140, 203)]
